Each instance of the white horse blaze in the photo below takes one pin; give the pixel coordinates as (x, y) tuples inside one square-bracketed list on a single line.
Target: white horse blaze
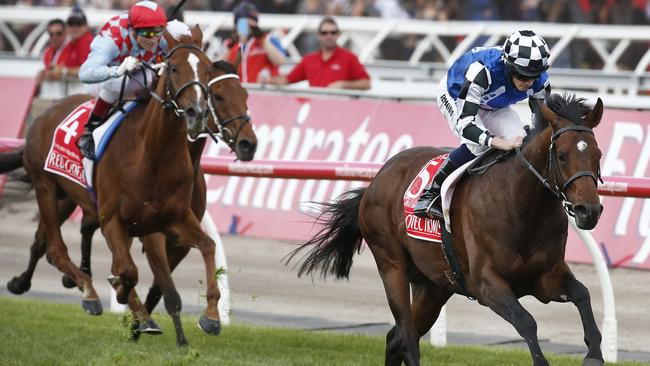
[(193, 60), (582, 146)]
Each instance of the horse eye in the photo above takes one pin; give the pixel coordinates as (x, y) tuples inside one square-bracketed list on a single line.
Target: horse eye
[(561, 158), (172, 68), (218, 97)]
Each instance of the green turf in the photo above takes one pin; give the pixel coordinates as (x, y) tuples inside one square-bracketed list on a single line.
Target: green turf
[(44, 333)]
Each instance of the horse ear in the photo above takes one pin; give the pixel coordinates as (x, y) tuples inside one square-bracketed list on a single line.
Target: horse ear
[(549, 115), (593, 118), (197, 35)]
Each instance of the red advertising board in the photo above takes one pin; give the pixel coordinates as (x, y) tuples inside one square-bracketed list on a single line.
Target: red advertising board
[(339, 129), (15, 100)]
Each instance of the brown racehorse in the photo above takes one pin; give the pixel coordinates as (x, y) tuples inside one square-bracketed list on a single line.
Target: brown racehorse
[(144, 182), (230, 111), (504, 256)]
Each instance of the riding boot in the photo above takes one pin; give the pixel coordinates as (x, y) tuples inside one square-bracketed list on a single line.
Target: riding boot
[(86, 143), (429, 204)]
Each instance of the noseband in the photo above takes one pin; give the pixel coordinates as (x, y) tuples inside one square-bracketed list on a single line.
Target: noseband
[(222, 124), (170, 101), (554, 169)]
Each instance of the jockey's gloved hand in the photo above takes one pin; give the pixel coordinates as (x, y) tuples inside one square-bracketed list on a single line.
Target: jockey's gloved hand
[(129, 64)]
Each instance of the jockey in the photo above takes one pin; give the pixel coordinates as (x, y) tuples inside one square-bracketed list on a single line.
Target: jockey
[(476, 98), (120, 46)]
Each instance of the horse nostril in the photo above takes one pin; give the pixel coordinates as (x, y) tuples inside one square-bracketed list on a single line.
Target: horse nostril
[(580, 210), (190, 112), (244, 145)]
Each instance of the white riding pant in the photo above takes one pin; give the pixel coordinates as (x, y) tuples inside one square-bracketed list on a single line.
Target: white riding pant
[(109, 90), (503, 122)]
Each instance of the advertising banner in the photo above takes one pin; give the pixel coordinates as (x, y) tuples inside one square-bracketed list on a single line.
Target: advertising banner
[(365, 130)]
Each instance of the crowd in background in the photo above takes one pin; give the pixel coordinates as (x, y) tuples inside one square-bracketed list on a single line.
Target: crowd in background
[(568, 11), (579, 55)]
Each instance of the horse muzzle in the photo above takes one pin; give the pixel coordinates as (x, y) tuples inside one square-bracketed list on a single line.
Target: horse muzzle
[(587, 215), (196, 118), (245, 149)]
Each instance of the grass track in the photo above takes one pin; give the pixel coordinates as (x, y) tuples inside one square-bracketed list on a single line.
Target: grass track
[(44, 333)]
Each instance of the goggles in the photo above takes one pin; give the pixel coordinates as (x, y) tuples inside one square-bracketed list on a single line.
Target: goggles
[(523, 77), (149, 32)]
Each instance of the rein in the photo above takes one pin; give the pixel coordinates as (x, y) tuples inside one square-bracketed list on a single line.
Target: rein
[(555, 170)]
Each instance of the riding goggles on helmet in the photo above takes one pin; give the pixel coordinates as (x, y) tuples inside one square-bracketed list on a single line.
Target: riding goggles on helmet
[(149, 32)]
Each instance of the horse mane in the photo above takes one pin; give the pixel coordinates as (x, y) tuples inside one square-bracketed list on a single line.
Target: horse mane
[(224, 66), (567, 106)]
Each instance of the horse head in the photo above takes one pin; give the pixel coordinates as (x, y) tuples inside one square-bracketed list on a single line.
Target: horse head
[(574, 156), (230, 111), (185, 76)]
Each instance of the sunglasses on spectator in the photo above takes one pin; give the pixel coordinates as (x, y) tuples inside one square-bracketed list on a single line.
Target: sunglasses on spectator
[(57, 33), (149, 33), (332, 33), (524, 77)]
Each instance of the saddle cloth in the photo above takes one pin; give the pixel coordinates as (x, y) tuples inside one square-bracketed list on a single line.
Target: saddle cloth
[(64, 157), (429, 229)]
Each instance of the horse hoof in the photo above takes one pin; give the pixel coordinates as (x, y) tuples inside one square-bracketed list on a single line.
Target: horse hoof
[(92, 307), (149, 326), (210, 326), (182, 342), (592, 362), (68, 282), (16, 287)]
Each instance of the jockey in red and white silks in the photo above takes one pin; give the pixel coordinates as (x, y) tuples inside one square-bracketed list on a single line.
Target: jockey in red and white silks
[(120, 46)]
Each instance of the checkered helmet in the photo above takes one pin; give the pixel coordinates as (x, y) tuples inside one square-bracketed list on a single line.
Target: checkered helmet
[(526, 53)]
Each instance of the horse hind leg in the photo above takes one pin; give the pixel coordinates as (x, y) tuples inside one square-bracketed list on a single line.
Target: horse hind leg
[(22, 283), (89, 225), (175, 254), (57, 252), (401, 341), (428, 300)]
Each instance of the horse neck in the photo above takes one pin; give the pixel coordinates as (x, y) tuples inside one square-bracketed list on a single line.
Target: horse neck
[(525, 183), (163, 132)]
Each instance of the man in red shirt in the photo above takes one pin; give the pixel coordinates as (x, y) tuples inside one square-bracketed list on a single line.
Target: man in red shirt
[(75, 49), (261, 53), (56, 31), (331, 67)]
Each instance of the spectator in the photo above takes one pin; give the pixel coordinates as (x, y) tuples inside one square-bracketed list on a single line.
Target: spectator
[(261, 53), (331, 67), (56, 31), (77, 47)]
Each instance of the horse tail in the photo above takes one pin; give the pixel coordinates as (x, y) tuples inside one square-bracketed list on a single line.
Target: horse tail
[(335, 244), (11, 161)]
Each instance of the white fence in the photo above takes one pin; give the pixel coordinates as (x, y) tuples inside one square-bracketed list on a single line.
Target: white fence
[(433, 46)]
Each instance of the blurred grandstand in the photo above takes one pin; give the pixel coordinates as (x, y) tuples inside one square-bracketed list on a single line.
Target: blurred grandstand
[(406, 57)]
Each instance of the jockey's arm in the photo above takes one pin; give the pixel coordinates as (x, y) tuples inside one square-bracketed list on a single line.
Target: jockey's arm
[(477, 82), (95, 69)]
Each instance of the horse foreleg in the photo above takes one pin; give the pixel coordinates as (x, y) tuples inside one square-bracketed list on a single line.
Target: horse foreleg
[(562, 286), (123, 266), (495, 293), (175, 254), (189, 232), (154, 247), (56, 250)]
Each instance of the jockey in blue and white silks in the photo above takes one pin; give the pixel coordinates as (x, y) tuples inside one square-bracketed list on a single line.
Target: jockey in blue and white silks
[(476, 98)]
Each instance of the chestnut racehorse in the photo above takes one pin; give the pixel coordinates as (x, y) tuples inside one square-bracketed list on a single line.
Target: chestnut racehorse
[(145, 183), (509, 231)]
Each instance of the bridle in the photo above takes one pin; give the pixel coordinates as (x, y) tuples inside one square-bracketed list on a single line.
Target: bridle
[(221, 123), (171, 97), (554, 169)]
